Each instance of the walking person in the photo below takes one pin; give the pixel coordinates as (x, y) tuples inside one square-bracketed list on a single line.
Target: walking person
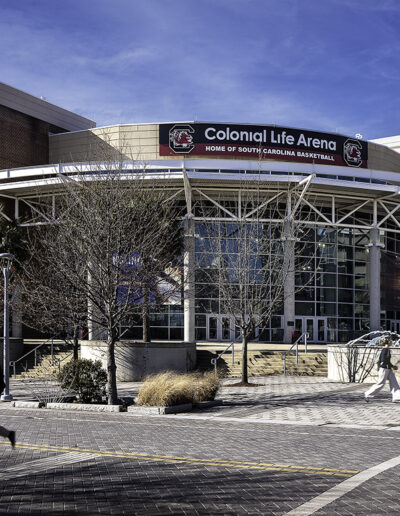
[(385, 373), (9, 434)]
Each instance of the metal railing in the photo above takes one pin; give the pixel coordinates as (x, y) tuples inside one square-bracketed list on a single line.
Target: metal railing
[(296, 343), (37, 355), (214, 360)]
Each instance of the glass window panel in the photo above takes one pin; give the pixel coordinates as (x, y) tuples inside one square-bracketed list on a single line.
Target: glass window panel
[(344, 237), (326, 280), (345, 324), (200, 333), (360, 267), (159, 320), (176, 308), (361, 311), (345, 281), (361, 239), (344, 336), (304, 308), (305, 294), (361, 254), (207, 291), (203, 306), (361, 296), (345, 310), (346, 267), (345, 295), (176, 333), (200, 320), (264, 335), (345, 253), (324, 309), (361, 324), (326, 266), (304, 278), (176, 320), (361, 282), (159, 333), (326, 294), (276, 322), (326, 235), (133, 333), (276, 335)]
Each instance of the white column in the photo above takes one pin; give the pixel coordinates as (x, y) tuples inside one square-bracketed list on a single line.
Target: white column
[(375, 247), (289, 283), (188, 278), (288, 288)]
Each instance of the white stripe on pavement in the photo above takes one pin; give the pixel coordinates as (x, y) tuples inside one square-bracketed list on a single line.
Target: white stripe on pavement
[(343, 488), (43, 465)]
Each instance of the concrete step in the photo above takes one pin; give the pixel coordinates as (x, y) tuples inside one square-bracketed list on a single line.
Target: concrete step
[(269, 363)]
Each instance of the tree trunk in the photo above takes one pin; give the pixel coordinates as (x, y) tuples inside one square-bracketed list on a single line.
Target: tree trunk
[(75, 342), (145, 312), (112, 395), (146, 321), (244, 360)]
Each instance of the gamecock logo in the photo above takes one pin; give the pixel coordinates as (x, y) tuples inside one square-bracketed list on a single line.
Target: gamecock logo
[(181, 139), (352, 153)]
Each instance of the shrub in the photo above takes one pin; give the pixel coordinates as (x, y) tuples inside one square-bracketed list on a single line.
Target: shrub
[(85, 377), (167, 389)]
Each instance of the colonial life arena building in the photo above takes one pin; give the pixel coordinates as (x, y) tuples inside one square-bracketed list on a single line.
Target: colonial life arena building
[(350, 186)]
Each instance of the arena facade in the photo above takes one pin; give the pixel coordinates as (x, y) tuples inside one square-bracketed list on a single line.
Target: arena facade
[(349, 187)]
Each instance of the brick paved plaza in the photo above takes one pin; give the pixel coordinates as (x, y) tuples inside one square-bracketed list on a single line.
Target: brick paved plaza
[(292, 445)]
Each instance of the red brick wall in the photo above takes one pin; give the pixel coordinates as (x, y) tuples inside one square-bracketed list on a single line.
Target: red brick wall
[(23, 139)]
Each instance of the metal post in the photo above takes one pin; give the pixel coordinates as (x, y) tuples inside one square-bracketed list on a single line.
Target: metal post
[(297, 351), (6, 396), (233, 353), (284, 364), (305, 341)]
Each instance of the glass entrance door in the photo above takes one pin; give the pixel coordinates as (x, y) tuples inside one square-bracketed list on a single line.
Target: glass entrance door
[(212, 328), (315, 327), (225, 328), (222, 328)]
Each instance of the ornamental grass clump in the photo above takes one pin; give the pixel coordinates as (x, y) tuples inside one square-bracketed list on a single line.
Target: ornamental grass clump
[(168, 389), (205, 387)]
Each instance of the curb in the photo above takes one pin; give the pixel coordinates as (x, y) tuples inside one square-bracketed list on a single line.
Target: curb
[(26, 404), (156, 411), (84, 407)]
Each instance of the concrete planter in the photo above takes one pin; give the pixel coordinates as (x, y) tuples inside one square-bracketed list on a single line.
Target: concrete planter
[(157, 411), (84, 407), (136, 360), (343, 360), (142, 410)]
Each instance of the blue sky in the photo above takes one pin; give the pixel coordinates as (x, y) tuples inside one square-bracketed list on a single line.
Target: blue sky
[(331, 65)]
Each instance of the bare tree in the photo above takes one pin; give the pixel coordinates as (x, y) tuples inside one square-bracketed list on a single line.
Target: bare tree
[(251, 257), (108, 249)]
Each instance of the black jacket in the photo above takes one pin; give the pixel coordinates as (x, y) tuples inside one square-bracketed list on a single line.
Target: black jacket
[(384, 359)]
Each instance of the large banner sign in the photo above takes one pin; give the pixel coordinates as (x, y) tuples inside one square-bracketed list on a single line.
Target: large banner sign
[(263, 142)]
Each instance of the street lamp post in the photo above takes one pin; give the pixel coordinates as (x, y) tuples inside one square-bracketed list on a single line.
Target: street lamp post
[(6, 396)]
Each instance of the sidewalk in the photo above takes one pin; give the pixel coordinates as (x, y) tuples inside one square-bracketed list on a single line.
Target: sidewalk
[(280, 399)]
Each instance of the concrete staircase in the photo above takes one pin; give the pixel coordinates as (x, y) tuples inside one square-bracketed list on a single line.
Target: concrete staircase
[(48, 365), (265, 363)]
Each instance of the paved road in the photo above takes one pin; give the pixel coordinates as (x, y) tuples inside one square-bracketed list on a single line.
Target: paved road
[(236, 459)]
